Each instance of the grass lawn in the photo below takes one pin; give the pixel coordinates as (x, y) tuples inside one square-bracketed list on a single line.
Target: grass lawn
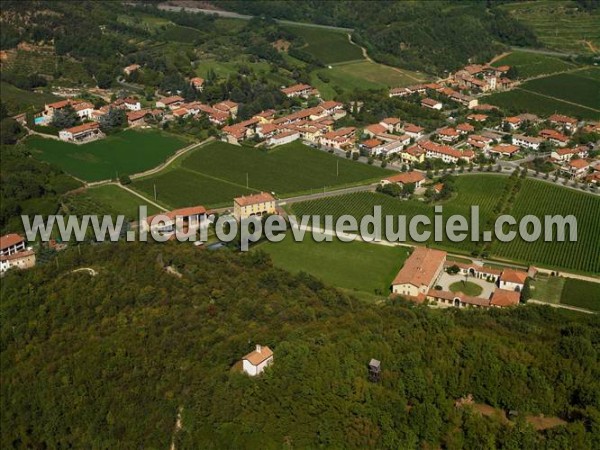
[(533, 64), (361, 75), (583, 90), (328, 46), (355, 265), (519, 101), (217, 172), (547, 289), (581, 293), (127, 152), (467, 288), (118, 201)]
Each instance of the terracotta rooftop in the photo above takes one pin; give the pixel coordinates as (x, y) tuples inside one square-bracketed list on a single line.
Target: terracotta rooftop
[(9, 240), (259, 355), (503, 297), (406, 178), (421, 267), (263, 197), (513, 276)]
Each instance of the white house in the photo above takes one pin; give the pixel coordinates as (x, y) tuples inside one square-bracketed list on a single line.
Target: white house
[(254, 363), (513, 280), (527, 141), (132, 104), (283, 138), (431, 103), (84, 132), (191, 218)]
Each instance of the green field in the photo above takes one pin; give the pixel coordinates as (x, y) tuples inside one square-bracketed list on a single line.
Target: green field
[(560, 24), (581, 293), (533, 64), (540, 199), (18, 100), (108, 199), (546, 288), (127, 152), (466, 287), (361, 75), (356, 266), (482, 190), (519, 101), (217, 172), (328, 46), (582, 89), (535, 197)]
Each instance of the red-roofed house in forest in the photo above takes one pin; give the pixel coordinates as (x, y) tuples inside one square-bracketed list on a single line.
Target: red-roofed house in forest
[(255, 362)]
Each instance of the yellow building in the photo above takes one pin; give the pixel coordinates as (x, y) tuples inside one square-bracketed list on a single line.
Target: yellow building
[(254, 205), (412, 155), (419, 273)]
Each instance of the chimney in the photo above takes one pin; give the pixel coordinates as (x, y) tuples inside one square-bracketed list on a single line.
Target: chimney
[(258, 348)]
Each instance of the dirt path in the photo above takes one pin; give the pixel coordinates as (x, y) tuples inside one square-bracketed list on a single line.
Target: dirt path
[(137, 194), (500, 56), (558, 99), (561, 306)]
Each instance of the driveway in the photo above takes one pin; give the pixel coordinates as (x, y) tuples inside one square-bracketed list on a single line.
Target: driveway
[(445, 280)]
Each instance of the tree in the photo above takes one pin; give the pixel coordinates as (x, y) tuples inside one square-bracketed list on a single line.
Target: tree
[(65, 118)]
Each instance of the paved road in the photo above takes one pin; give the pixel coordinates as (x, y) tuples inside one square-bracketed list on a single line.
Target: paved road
[(234, 15), (542, 51), (325, 194)]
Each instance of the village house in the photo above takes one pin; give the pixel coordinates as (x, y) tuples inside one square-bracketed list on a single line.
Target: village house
[(131, 68), (172, 102), (255, 362), (374, 130), (14, 253), (283, 138), (190, 218), (399, 92), (266, 116), (370, 144), (197, 83), (480, 142), (415, 178), (235, 133), (392, 124), (555, 137), (413, 154), (445, 153), (530, 142), (228, 107), (465, 100), (254, 205), (565, 154), (85, 132), (300, 90), (414, 131), (448, 134), (132, 104), (465, 128), (565, 122), (82, 108), (389, 148), (512, 123), (420, 271), (504, 150), (577, 168), (339, 139), (137, 118), (477, 117), (431, 104)]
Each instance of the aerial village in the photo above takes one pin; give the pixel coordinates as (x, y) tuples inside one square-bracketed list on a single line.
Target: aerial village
[(408, 148)]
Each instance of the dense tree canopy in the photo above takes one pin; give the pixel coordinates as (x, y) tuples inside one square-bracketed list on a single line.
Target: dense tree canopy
[(108, 361)]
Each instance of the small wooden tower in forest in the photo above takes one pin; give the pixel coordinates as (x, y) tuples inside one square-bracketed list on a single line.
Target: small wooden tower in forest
[(374, 370)]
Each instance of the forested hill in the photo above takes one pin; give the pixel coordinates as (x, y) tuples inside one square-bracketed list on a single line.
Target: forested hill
[(107, 361), (432, 36)]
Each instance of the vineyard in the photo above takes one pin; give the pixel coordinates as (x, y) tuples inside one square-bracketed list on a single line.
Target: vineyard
[(482, 190), (540, 199), (534, 197)]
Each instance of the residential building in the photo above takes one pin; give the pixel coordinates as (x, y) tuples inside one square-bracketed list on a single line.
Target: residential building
[(172, 102), (504, 150), (300, 90), (11, 244), (403, 178), (131, 68), (513, 280), (448, 134), (414, 131), (565, 154), (254, 205), (85, 132), (431, 103), (555, 137), (392, 124), (565, 122), (445, 153), (530, 142), (21, 260), (197, 83), (283, 138), (190, 218)]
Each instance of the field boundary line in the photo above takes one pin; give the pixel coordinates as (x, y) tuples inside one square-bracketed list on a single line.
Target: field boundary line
[(146, 199), (222, 180), (562, 306), (179, 153), (558, 99)]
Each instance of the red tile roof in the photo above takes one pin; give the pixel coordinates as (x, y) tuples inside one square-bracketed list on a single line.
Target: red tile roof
[(513, 276), (84, 127), (9, 240), (255, 357), (370, 143), (421, 267), (263, 197), (504, 298), (406, 178)]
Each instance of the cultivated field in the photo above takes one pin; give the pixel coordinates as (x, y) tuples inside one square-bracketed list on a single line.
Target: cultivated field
[(518, 101), (539, 198), (482, 190), (18, 100), (560, 24), (328, 46), (127, 152), (356, 266), (533, 64), (535, 197), (582, 89), (217, 172)]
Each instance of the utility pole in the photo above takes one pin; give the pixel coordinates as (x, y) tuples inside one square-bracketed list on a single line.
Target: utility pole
[(337, 168), (247, 182), (154, 191)]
